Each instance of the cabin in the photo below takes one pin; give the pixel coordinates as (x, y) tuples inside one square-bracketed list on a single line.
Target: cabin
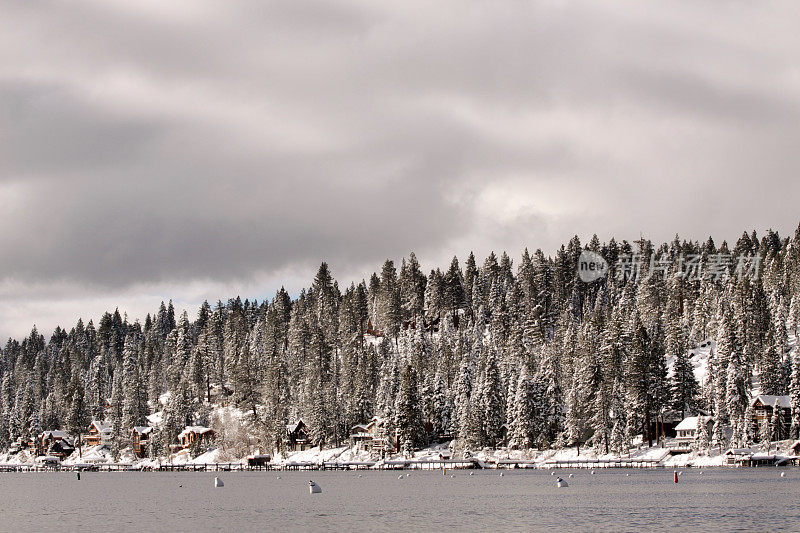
[(360, 437), (505, 431), (738, 456), (141, 438), (371, 330), (98, 433), (686, 431), (297, 438), (381, 439), (193, 434), (262, 459), (764, 406), (55, 443), (220, 394)]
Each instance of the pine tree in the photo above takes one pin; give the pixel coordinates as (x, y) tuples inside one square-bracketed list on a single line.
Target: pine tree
[(408, 418), (794, 392), (134, 405), (737, 399), (491, 403), (78, 415), (702, 439)]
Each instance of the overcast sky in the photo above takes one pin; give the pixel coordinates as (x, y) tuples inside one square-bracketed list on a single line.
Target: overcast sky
[(202, 149)]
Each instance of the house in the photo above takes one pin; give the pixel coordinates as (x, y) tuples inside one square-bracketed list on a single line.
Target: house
[(259, 459), (371, 330), (191, 435), (360, 437), (764, 406), (686, 431), (141, 438), (505, 430), (98, 433), (297, 436), (55, 443), (738, 456), (374, 436)]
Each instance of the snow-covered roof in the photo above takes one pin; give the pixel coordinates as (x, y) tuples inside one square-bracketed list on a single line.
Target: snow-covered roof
[(739, 451), (155, 419), (101, 427), (56, 434), (291, 428), (769, 399), (198, 430), (690, 422), (142, 430)]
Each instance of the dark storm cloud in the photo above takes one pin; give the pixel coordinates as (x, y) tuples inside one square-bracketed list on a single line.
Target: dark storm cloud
[(148, 147)]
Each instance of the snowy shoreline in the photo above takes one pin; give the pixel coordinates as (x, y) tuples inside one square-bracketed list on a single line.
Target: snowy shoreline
[(434, 457)]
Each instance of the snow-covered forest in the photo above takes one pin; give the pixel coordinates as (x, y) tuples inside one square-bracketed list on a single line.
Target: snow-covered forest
[(471, 351)]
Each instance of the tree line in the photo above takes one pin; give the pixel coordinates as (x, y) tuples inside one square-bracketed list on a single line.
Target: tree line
[(525, 355)]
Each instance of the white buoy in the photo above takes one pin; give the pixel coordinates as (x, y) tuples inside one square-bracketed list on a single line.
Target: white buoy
[(783, 474), (552, 473), (218, 482), (313, 488), (627, 475), (560, 483)]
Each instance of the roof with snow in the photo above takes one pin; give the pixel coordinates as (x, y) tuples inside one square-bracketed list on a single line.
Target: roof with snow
[(690, 422), (156, 418), (769, 399), (198, 430), (56, 434), (291, 428), (142, 430), (101, 427)]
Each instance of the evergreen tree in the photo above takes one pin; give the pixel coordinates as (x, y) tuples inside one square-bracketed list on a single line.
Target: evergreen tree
[(408, 418)]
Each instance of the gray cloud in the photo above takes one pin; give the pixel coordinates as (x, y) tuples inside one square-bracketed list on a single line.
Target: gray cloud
[(148, 147)]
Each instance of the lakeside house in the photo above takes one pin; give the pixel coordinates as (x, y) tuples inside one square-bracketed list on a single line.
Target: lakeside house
[(360, 437), (259, 459), (764, 406), (297, 438), (141, 438), (98, 433), (55, 443), (374, 437), (191, 435), (686, 434), (738, 456)]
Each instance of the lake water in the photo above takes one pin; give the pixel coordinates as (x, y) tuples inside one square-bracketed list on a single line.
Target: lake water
[(717, 500)]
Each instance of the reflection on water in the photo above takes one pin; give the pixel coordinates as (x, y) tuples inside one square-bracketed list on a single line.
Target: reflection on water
[(717, 499)]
